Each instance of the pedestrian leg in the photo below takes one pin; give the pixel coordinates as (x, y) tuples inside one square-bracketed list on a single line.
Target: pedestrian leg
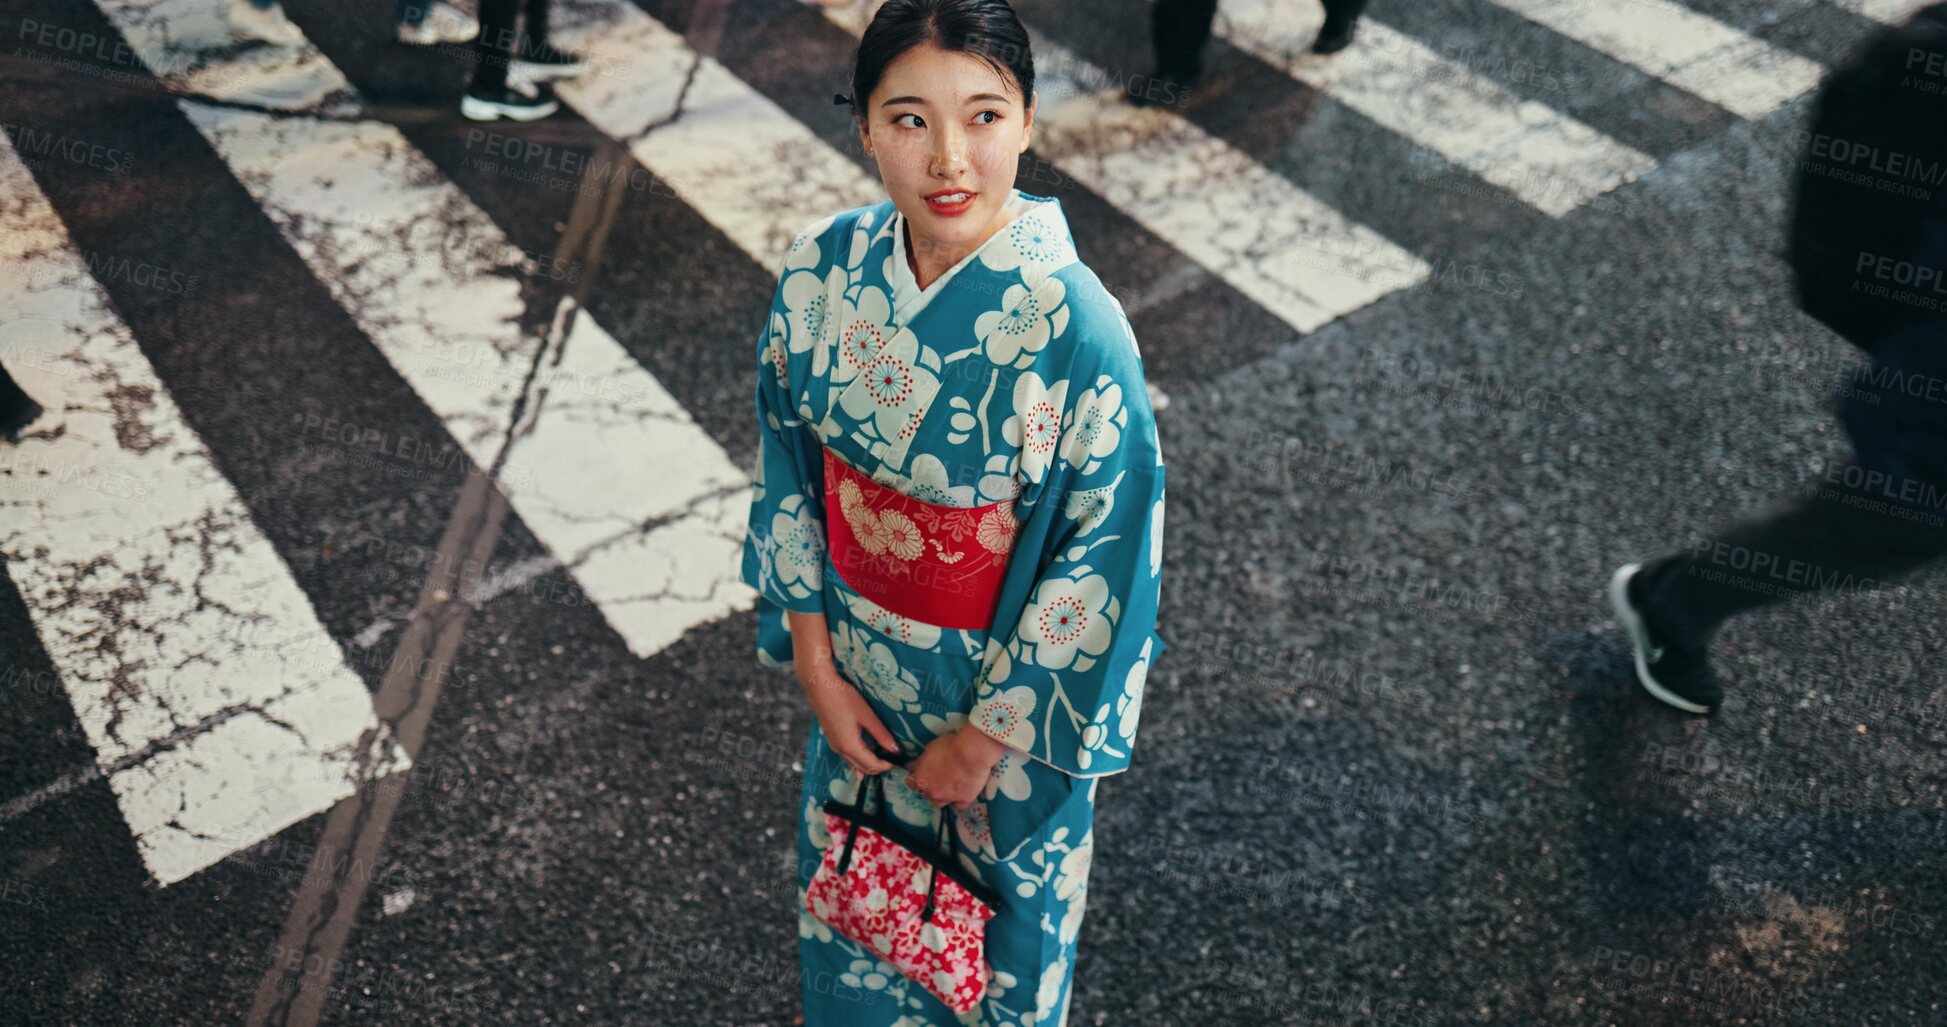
[(1817, 542), (490, 97), (1179, 30), (497, 39), (1341, 18), (17, 408)]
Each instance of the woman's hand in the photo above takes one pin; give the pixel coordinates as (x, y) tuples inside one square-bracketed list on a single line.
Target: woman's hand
[(841, 711), (953, 769)]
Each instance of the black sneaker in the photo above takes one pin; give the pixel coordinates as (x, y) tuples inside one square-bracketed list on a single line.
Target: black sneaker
[(505, 102), (543, 63), (1677, 675), (1333, 38)]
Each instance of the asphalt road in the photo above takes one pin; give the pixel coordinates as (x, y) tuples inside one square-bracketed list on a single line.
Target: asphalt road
[(1393, 769)]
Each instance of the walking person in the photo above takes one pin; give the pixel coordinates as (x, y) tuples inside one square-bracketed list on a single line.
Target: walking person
[(956, 528), (1180, 29), (515, 63), (1856, 237)]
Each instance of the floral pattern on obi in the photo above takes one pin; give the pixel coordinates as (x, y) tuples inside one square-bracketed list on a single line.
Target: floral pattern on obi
[(938, 565)]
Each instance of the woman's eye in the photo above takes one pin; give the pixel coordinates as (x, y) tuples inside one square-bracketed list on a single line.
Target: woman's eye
[(996, 114), (915, 117)]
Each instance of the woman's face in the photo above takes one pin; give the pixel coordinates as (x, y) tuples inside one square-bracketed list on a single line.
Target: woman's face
[(943, 122)]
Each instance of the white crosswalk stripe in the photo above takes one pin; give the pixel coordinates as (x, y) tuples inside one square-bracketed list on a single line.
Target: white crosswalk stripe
[(189, 47), (1892, 12), (643, 508), (219, 708), (737, 159), (640, 505), (1692, 51), (1288, 251), (1548, 159)]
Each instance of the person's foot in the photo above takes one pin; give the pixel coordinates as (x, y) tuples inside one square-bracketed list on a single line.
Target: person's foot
[(265, 23), (17, 421), (1333, 38), (443, 23), (543, 63), (506, 102), (1678, 675)]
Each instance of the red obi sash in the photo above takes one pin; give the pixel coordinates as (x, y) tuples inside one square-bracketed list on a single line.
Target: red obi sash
[(939, 565)]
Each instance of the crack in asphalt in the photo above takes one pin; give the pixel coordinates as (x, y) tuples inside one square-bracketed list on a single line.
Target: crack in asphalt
[(324, 909)]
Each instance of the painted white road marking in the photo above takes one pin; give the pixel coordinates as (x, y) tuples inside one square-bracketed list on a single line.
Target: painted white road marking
[(189, 47), (1696, 53), (219, 709), (1892, 12), (628, 493), (1553, 162), (737, 159), (641, 506)]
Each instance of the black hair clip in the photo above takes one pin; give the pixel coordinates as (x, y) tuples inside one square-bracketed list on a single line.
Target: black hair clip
[(839, 98)]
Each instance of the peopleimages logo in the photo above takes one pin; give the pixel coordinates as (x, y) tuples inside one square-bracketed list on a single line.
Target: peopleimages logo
[(34, 144), (1879, 483), (1760, 564), (1927, 62), (1901, 272), (1841, 151)]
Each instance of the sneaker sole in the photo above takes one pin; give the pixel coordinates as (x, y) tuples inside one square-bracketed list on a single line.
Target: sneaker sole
[(1639, 638), (484, 110)]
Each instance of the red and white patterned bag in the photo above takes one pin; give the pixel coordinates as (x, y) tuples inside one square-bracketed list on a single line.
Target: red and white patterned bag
[(908, 902)]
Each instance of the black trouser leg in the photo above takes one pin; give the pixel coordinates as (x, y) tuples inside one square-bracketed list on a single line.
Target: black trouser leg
[(13, 402), (495, 42), (1179, 29), (1817, 542), (1340, 14), (535, 32)]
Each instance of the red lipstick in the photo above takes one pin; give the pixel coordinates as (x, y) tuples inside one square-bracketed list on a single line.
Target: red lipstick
[(954, 209)]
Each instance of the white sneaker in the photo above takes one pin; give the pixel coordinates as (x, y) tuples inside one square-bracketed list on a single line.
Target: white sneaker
[(269, 25), (444, 23)]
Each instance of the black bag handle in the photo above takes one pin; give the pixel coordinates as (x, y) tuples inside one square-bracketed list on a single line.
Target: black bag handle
[(949, 838), (947, 841), (866, 785)]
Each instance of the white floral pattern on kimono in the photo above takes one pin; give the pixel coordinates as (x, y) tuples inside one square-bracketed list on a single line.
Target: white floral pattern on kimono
[(1015, 378)]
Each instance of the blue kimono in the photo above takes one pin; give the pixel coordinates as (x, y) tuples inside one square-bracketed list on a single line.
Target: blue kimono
[(1019, 381)]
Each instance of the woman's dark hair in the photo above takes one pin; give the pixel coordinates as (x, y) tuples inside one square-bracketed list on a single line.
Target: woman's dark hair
[(1871, 180), (987, 29)]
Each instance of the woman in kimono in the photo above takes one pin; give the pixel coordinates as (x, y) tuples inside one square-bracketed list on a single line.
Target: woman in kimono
[(956, 535)]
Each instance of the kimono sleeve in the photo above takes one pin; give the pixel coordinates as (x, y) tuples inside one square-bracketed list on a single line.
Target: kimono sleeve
[(1066, 686), (784, 542)]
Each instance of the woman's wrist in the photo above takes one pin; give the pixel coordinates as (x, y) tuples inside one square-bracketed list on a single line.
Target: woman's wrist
[(816, 676), (811, 651), (979, 747)]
